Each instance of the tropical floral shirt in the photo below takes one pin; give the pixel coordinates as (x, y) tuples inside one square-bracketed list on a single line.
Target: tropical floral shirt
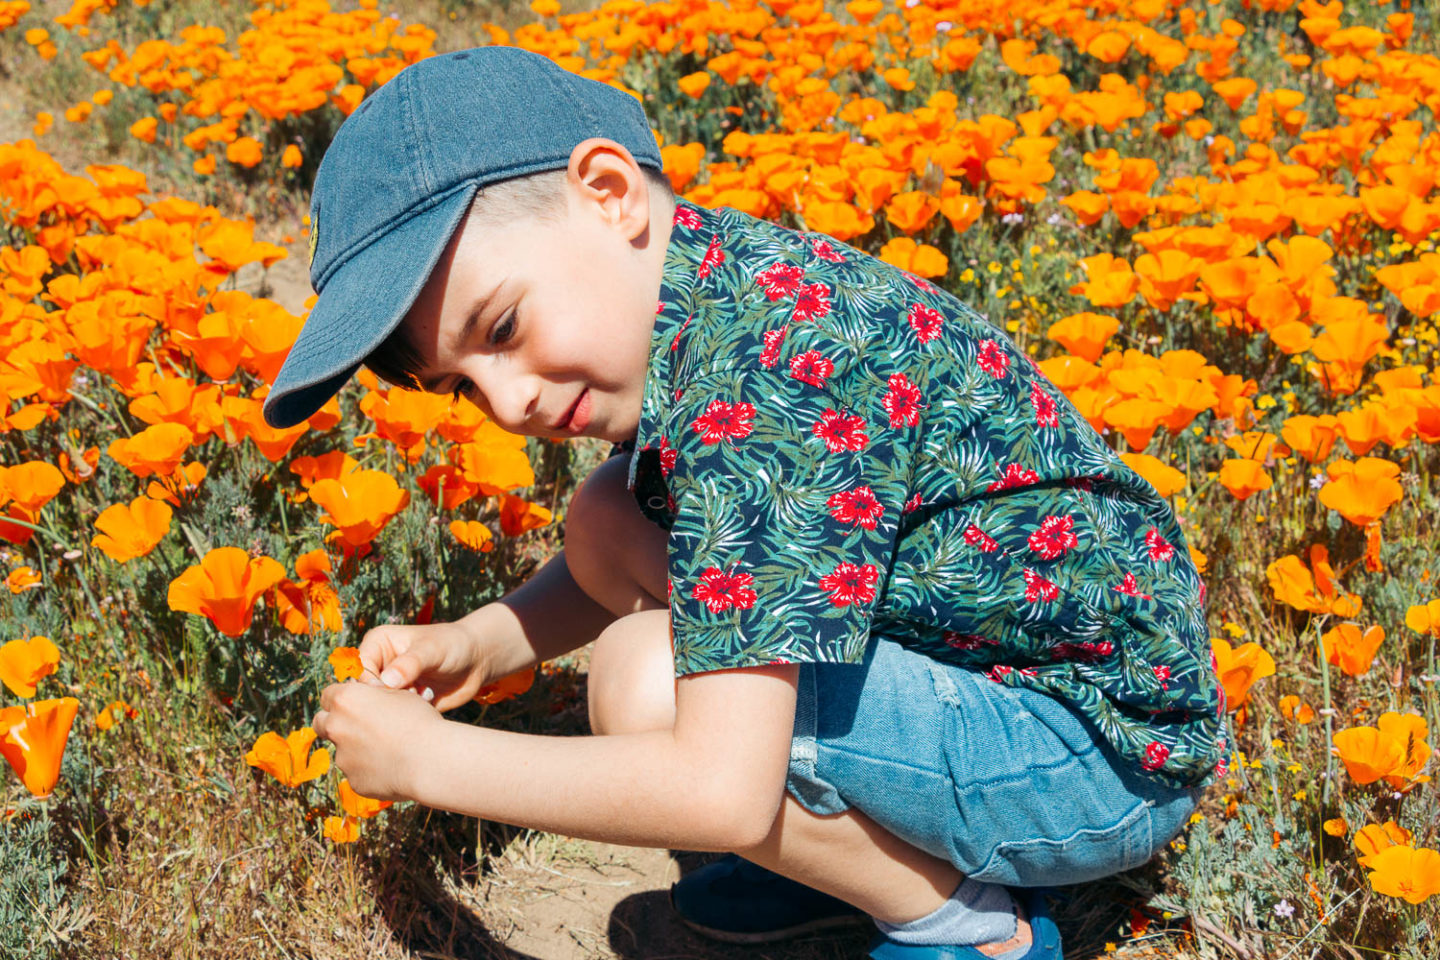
[(839, 448)]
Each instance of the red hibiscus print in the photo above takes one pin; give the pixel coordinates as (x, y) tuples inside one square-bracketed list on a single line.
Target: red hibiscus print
[(781, 280), (825, 250), (841, 431), (993, 359), (724, 421), (856, 506), (902, 402), (849, 583), (920, 282), (1047, 412), (720, 591), (1131, 588), (999, 672), (1054, 537), (979, 538), (687, 218), (1155, 756), (1014, 475), (771, 354), (714, 256), (967, 641), (668, 455), (1159, 548), (925, 321), (1087, 650), (811, 367), (1162, 673), (912, 504), (812, 302), (1038, 588)]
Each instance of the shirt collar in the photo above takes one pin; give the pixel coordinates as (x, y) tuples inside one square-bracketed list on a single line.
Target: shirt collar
[(693, 251)]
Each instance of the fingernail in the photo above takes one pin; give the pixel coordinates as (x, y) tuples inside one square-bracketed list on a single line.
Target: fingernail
[(427, 694), (392, 678)]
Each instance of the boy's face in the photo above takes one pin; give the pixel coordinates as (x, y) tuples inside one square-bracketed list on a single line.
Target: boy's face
[(546, 326)]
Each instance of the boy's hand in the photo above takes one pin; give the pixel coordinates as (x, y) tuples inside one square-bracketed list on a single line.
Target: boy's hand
[(440, 657), (375, 732)]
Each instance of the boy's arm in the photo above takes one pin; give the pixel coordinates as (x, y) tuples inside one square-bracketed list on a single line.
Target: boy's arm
[(714, 782)]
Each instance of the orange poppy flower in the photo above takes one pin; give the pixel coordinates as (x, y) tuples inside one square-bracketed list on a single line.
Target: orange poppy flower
[(357, 806), (506, 687), (133, 530), (494, 463), (224, 587), (341, 829), (1244, 478), (1084, 334), (1405, 872), (180, 487), (1252, 444), (1315, 591), (82, 468), (332, 465), (911, 211), (404, 417), (1424, 618), (1110, 283), (33, 739), (473, 535), (21, 579), (1375, 837), (1239, 668), (359, 504), (1164, 478), (1311, 437), (1394, 749), (345, 661), (1362, 491), (921, 259), (1350, 649), (114, 711), (230, 244), (155, 450), (291, 158), (288, 759), (244, 152), (1291, 708), (23, 663), (245, 417), (695, 84), (518, 515)]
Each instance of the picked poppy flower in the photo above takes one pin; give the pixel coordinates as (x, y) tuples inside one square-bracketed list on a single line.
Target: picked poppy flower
[(33, 739), (341, 829), (358, 807), (288, 759), (1350, 649), (23, 663), (224, 587), (23, 578), (1405, 872), (345, 661), (1239, 668), (359, 504), (132, 530), (506, 687)]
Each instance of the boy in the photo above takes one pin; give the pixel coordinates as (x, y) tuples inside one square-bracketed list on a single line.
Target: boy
[(873, 607)]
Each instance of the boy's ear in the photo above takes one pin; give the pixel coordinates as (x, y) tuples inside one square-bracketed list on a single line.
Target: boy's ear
[(604, 177)]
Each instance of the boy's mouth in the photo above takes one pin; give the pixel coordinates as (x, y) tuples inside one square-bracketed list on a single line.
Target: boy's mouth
[(577, 417)]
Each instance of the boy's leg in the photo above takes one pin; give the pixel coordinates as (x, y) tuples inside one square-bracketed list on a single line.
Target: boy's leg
[(618, 558)]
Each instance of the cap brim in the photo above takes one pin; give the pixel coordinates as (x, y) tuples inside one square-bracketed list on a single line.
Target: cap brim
[(361, 304)]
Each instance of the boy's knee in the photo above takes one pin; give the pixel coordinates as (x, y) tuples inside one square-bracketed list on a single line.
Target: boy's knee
[(631, 676), (613, 552)]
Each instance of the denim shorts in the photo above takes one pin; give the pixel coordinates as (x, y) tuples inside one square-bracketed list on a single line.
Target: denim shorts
[(1012, 786)]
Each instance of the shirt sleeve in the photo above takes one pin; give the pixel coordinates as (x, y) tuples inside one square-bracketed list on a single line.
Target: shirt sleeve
[(787, 502)]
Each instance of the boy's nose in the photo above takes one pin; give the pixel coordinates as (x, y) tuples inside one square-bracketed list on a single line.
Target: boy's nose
[(512, 398)]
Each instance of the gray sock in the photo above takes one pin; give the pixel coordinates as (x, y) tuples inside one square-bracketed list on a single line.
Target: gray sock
[(975, 913)]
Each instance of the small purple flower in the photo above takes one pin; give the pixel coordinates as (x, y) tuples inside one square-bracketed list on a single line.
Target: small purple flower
[(1284, 909)]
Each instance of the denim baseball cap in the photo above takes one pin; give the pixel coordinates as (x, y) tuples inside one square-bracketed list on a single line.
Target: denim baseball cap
[(397, 179)]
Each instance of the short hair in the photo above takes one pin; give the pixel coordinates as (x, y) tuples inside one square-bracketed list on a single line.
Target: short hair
[(536, 196)]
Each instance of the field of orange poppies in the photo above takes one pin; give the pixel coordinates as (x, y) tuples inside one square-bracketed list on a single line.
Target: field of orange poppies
[(1213, 224)]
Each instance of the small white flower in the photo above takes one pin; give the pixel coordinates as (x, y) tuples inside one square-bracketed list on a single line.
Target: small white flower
[(1013, 218), (944, 26), (1284, 909), (1318, 481)]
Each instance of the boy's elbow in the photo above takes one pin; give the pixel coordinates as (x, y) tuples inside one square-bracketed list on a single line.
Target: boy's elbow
[(738, 818)]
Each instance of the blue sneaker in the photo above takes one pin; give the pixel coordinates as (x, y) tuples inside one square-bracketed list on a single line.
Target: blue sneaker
[(736, 901), (1044, 937)]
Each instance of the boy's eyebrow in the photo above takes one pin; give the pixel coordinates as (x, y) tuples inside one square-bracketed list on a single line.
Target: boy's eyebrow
[(467, 329)]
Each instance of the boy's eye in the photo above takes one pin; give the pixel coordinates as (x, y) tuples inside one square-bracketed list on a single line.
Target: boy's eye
[(504, 330)]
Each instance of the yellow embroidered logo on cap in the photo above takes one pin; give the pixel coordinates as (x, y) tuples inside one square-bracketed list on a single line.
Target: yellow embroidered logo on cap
[(314, 235)]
